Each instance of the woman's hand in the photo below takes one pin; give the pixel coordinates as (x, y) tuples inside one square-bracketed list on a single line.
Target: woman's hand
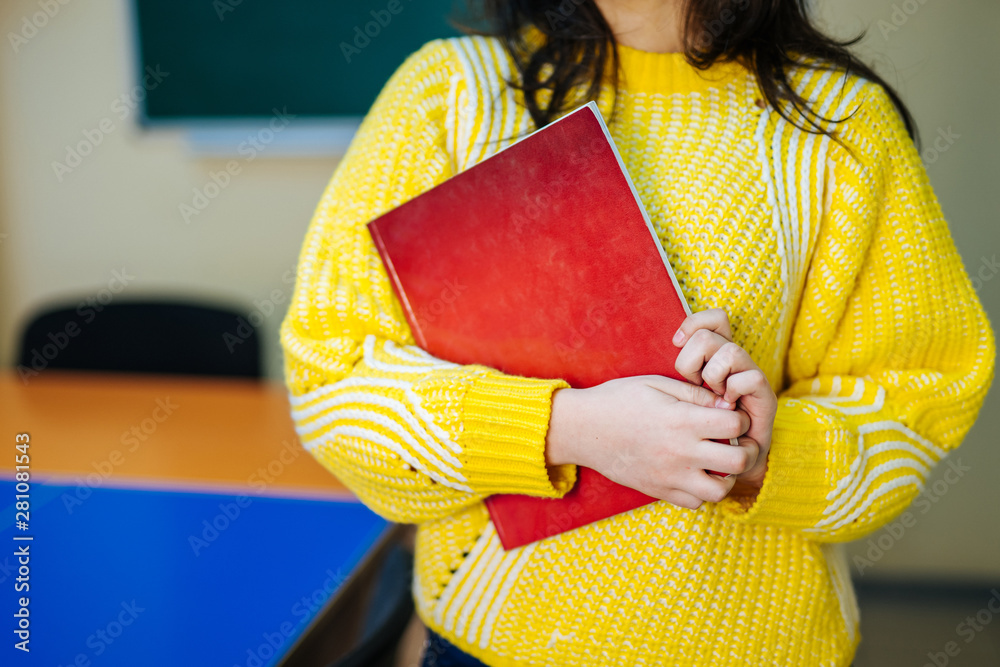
[(708, 354), (653, 434)]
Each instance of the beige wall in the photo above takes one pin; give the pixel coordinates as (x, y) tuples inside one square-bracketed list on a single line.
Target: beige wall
[(119, 208)]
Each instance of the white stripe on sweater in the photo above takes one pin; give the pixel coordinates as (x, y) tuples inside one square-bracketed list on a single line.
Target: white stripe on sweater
[(465, 578), (403, 453), (861, 485), (466, 116), (509, 580), (307, 432), (858, 464), (882, 490), (427, 419)]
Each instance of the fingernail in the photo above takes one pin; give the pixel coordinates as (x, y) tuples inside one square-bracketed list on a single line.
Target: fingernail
[(678, 337), (723, 403)]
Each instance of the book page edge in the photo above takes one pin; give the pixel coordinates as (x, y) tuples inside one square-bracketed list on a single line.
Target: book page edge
[(642, 209)]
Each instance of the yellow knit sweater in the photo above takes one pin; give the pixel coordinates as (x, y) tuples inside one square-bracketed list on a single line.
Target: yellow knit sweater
[(839, 276)]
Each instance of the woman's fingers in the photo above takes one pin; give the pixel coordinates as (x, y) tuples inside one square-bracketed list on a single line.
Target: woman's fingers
[(710, 488), (686, 392), (693, 358), (730, 358), (728, 459), (714, 424), (702, 486), (755, 396), (682, 499), (748, 382), (715, 320)]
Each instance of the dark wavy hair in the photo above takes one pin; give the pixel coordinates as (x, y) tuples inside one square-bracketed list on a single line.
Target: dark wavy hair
[(769, 37)]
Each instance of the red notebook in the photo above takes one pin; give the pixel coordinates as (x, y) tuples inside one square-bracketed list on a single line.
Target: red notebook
[(540, 261)]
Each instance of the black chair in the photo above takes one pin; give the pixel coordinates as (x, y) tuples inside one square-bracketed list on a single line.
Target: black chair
[(388, 614), (363, 623), (142, 337)]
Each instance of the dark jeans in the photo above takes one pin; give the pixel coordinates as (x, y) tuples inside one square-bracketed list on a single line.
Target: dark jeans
[(440, 653)]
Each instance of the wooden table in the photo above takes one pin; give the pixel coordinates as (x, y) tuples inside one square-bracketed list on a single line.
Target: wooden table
[(229, 435)]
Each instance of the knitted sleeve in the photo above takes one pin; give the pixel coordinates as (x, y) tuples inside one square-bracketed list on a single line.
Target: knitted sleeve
[(414, 437), (891, 353)]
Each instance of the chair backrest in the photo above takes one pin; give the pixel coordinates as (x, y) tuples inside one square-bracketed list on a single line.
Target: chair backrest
[(389, 611), (143, 337)]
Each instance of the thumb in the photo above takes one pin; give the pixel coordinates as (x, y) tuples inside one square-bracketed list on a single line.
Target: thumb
[(687, 392)]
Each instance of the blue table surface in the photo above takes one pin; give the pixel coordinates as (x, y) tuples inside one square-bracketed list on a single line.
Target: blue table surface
[(143, 578)]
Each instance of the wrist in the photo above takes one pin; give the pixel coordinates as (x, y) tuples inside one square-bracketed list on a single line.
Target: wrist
[(562, 438)]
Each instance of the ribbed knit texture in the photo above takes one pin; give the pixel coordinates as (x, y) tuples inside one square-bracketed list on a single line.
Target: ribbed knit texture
[(840, 279)]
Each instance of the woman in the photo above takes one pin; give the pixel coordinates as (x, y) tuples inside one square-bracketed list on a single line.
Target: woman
[(782, 180)]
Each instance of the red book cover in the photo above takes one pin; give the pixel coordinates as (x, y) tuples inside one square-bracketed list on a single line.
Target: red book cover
[(540, 261)]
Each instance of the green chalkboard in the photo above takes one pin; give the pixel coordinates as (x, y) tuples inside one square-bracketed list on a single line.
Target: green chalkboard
[(220, 59)]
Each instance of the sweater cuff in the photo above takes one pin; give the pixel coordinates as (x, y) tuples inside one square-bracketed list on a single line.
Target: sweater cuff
[(505, 422), (796, 485)]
